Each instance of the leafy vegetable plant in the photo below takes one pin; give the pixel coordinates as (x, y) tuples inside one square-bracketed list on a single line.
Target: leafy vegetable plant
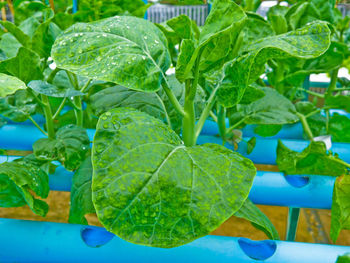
[(151, 183)]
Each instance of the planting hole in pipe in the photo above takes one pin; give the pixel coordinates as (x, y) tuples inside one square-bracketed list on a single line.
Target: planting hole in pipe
[(297, 180), (258, 250), (96, 237)]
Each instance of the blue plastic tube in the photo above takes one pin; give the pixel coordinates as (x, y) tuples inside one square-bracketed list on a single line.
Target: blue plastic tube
[(269, 188), (35, 242), (21, 137)]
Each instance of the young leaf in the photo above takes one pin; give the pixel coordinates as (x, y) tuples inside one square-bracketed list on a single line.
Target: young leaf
[(314, 159), (259, 220), (251, 145), (150, 189), (16, 32), (10, 85), (44, 37), (42, 87), (340, 206), (184, 27), (308, 42), (125, 50), (252, 94), (81, 196), (17, 180), (273, 108), (69, 147), (339, 127)]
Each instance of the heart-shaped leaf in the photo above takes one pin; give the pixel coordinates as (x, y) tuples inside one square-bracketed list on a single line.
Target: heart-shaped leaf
[(150, 189), (125, 50), (10, 85)]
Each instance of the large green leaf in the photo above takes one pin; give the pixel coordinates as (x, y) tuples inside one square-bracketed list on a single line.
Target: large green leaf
[(26, 65), (339, 127), (314, 159), (43, 87), (258, 219), (273, 108), (339, 102), (125, 50), (340, 206), (81, 195), (9, 45), (308, 42), (69, 147), (10, 85), (18, 182), (150, 189)]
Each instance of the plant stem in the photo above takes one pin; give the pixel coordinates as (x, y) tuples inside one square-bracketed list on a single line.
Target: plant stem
[(306, 126), (319, 95), (188, 122), (234, 126), (212, 114), (79, 114), (172, 97), (78, 110), (3, 13), (206, 111), (331, 88), (86, 85), (48, 116), (59, 108), (37, 125), (52, 75), (52, 5), (222, 122), (342, 162)]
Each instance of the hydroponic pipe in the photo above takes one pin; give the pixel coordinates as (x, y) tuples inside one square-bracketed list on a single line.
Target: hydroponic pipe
[(35, 242), (269, 188), (21, 137)]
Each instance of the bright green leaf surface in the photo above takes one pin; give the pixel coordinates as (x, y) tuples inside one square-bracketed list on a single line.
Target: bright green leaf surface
[(344, 258), (125, 50), (273, 108), (10, 85), (81, 195), (150, 189), (314, 159), (17, 180)]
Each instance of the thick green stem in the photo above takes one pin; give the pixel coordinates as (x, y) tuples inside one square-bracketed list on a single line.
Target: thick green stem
[(78, 110), (222, 122), (342, 162), (206, 111), (331, 88), (306, 126), (188, 122), (52, 75), (79, 114), (48, 116)]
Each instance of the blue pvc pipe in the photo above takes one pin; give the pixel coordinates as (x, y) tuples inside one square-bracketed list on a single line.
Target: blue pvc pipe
[(269, 188), (30, 241), (21, 137)]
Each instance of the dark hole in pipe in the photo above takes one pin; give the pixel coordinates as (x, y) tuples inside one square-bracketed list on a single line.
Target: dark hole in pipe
[(95, 236), (258, 250), (297, 180)]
